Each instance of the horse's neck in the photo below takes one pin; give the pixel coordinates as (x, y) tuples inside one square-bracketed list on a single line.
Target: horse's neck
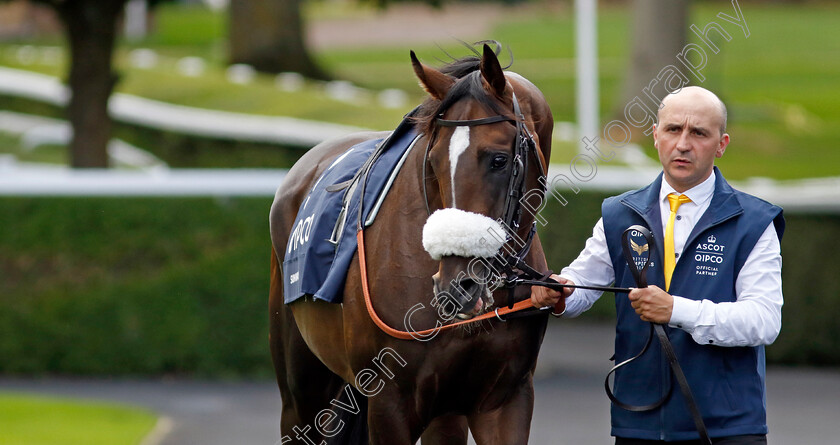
[(409, 182)]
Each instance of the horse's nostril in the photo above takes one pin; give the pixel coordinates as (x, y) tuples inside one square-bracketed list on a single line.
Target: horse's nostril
[(464, 288), (467, 284)]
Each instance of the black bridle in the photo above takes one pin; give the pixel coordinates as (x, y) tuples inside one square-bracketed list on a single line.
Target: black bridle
[(511, 265), (523, 145)]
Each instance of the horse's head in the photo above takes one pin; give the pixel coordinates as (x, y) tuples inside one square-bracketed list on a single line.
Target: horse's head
[(489, 141)]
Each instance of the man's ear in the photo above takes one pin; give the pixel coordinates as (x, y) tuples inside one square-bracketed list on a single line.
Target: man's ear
[(724, 142), (654, 137), (436, 83)]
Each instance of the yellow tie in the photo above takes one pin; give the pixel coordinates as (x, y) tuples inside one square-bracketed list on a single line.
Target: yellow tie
[(670, 259)]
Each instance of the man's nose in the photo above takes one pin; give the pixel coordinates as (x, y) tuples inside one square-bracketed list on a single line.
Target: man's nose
[(683, 143)]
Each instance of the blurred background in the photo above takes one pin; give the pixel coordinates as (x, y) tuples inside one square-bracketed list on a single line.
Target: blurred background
[(141, 142)]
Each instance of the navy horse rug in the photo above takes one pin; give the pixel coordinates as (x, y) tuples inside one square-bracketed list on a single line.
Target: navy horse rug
[(323, 238)]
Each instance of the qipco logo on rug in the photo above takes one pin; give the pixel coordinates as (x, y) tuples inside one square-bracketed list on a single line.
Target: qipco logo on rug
[(300, 235)]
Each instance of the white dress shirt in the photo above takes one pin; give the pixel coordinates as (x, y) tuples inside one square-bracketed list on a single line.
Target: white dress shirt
[(755, 318)]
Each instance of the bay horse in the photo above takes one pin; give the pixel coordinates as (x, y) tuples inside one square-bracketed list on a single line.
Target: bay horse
[(477, 377)]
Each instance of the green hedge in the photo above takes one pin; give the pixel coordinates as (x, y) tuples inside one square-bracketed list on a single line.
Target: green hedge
[(134, 286), (155, 286)]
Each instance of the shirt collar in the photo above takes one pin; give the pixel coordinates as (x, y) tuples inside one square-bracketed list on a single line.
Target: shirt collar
[(698, 194)]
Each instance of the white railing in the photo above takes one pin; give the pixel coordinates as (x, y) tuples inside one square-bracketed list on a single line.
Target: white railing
[(180, 119), (39, 180), (16, 179)]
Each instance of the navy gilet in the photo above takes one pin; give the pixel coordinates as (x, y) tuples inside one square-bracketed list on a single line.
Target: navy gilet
[(727, 382)]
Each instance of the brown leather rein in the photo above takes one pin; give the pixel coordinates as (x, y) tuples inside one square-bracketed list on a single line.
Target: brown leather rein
[(426, 333)]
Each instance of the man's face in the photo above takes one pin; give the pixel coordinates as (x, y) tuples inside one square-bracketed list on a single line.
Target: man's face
[(688, 138)]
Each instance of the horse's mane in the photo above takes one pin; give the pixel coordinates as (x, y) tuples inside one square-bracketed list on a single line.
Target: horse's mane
[(468, 84)]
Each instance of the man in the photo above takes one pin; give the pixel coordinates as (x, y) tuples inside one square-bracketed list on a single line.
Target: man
[(715, 282)]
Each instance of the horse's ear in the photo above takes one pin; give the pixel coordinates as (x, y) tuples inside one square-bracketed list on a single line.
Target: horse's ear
[(492, 71), (436, 83)]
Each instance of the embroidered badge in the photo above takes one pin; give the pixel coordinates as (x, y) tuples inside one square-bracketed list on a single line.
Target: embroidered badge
[(637, 248), (640, 251), (708, 255)]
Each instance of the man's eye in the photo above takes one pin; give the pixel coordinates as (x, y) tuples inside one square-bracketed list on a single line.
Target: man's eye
[(498, 162)]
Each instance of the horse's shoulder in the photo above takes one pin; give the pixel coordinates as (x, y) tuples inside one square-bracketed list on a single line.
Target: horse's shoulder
[(303, 174)]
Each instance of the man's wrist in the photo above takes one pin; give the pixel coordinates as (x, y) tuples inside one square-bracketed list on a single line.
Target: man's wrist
[(684, 313)]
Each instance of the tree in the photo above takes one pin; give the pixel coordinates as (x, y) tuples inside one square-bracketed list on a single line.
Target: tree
[(91, 29), (658, 35), (269, 35)]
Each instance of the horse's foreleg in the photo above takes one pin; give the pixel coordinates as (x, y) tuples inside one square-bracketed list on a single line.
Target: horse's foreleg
[(392, 421), (446, 430), (510, 424), (306, 385)]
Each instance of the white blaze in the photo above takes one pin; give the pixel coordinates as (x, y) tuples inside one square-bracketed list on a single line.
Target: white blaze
[(457, 146)]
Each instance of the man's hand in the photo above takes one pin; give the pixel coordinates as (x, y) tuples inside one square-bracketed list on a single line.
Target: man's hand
[(651, 303), (543, 296)]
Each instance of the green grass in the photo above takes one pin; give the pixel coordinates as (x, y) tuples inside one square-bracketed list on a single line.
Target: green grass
[(779, 83), (37, 420), (259, 98), (179, 26), (9, 144), (48, 154)]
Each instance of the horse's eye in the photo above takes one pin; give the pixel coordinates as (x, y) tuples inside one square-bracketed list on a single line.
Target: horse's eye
[(498, 162)]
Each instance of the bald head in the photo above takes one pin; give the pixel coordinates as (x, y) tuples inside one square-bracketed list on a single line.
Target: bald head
[(690, 135), (695, 97)]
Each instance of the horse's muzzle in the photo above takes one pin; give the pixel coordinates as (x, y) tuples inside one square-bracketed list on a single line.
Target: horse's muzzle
[(464, 298)]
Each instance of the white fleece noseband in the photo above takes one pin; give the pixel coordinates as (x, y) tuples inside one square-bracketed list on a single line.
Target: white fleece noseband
[(454, 232)]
